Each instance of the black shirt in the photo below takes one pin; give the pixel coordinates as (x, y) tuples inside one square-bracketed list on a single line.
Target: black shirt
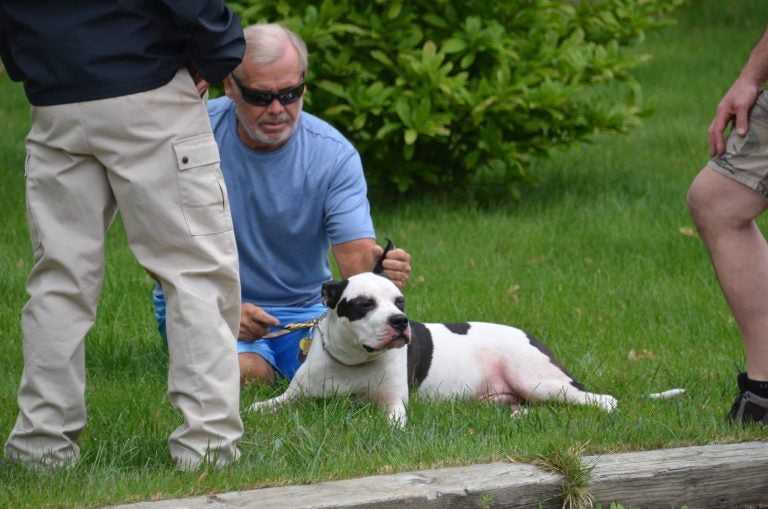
[(95, 49)]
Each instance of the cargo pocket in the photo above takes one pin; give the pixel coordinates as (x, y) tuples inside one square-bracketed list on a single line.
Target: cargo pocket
[(202, 192)]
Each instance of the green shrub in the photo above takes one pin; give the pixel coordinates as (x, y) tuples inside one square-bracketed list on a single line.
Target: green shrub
[(447, 95)]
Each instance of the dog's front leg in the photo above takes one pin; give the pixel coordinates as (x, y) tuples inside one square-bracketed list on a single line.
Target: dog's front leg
[(396, 415), (295, 389), (395, 403), (273, 403)]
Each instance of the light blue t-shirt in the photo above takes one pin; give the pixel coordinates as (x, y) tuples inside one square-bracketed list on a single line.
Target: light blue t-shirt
[(290, 205)]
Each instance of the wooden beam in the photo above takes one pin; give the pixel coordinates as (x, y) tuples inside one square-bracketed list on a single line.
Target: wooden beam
[(712, 476)]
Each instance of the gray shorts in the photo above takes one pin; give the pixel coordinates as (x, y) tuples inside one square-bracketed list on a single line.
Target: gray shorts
[(746, 158)]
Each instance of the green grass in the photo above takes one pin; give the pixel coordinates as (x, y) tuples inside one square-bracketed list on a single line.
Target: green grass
[(592, 261)]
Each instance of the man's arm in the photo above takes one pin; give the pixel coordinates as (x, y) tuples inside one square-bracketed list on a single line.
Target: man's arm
[(360, 255), (217, 41), (5, 50), (740, 97)]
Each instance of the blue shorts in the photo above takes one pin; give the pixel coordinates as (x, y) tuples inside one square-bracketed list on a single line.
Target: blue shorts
[(282, 352)]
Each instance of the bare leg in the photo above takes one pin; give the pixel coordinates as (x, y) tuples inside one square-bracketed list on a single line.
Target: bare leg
[(724, 211), (255, 369)]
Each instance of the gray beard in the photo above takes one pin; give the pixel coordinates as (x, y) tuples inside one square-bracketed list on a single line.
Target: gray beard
[(259, 137)]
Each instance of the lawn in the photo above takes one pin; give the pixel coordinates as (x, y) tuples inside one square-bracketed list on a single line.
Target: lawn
[(598, 260)]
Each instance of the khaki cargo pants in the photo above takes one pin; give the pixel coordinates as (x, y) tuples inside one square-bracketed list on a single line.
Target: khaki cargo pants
[(151, 156)]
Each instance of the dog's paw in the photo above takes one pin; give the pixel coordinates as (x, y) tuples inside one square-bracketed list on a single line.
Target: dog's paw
[(518, 411), (397, 417), (256, 407), (604, 401), (261, 406)]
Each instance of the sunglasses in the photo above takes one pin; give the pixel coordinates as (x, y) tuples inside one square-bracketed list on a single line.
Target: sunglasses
[(263, 98)]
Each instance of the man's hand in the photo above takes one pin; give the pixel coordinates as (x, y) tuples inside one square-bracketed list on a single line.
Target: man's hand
[(397, 264), (202, 87), (200, 83), (735, 105), (255, 322)]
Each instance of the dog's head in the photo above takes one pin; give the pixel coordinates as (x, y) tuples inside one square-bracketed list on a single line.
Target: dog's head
[(368, 309)]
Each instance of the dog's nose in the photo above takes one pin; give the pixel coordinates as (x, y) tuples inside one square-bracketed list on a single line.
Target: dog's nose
[(398, 322)]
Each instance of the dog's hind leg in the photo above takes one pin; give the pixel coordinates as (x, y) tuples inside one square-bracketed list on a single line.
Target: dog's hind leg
[(604, 401), (567, 393)]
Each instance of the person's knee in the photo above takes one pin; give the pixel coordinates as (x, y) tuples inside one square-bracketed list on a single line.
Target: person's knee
[(698, 198), (255, 369), (713, 202), (718, 203)]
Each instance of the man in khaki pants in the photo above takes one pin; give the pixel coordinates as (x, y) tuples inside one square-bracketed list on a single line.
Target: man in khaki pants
[(118, 124)]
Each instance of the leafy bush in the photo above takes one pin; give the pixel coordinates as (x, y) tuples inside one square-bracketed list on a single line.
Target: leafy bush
[(450, 95)]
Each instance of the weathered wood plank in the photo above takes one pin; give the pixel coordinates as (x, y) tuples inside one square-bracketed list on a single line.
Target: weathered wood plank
[(712, 476), (509, 485)]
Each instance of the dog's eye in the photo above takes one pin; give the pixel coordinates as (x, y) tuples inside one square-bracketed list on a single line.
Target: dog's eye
[(364, 303), (400, 303)]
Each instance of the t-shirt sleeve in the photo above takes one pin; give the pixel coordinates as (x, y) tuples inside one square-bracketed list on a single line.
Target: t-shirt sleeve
[(348, 212)]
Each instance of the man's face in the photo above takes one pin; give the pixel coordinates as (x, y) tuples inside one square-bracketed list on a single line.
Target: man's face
[(267, 127)]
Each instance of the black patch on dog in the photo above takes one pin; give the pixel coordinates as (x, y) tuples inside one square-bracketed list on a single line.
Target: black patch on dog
[(419, 354), (332, 291), (461, 328), (546, 351), (355, 309)]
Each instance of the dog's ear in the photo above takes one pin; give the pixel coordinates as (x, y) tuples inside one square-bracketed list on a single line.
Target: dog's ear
[(379, 268), (332, 291)]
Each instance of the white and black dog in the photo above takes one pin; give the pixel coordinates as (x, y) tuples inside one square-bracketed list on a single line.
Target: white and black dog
[(367, 346)]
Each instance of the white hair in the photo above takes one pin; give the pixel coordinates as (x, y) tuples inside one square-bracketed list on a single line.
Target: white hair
[(265, 43)]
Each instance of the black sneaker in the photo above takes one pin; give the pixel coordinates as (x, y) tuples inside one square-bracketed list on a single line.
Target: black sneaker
[(748, 407)]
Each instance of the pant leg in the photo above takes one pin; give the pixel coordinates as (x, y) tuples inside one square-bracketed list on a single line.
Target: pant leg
[(69, 208), (163, 167)]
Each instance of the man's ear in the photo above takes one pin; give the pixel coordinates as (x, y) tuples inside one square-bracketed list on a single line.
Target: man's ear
[(332, 291), (228, 87)]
